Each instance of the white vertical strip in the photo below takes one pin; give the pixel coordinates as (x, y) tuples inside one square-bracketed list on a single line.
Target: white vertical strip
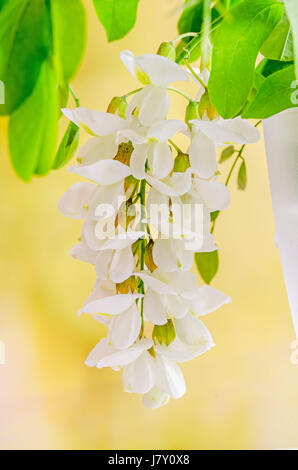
[(281, 139)]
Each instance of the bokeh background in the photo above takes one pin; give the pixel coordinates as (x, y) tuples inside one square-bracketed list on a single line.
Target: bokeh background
[(243, 394)]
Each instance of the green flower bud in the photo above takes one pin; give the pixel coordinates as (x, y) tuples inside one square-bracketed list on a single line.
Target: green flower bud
[(206, 107), (118, 106), (164, 334), (192, 111), (181, 163), (166, 49)]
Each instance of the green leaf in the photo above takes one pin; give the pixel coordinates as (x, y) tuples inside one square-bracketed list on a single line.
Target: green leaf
[(279, 45), (267, 66), (292, 12), (227, 153), (242, 177), (277, 85), (191, 19), (118, 17), (236, 46), (33, 128), (69, 36), (207, 264), (68, 146), (24, 44)]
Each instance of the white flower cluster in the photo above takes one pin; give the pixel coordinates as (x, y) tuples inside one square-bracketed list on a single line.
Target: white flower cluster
[(145, 293)]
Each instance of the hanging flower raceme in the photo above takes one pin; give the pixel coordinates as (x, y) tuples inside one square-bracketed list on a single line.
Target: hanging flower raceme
[(145, 213)]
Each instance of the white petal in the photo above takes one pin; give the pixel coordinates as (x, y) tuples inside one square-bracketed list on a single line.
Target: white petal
[(101, 350), (103, 172), (111, 305), (102, 262), (104, 196), (176, 306), (154, 309), (155, 284), (208, 300), (128, 60), (192, 331), (160, 70), (155, 398), (97, 148), (137, 161), (83, 253), (154, 106), (103, 319), (139, 376), (122, 357), (162, 160), (161, 186), (123, 240), (95, 122), (125, 328), (184, 256), (215, 194), (184, 283), (169, 377), (164, 255), (178, 351), (89, 234), (230, 130), (72, 203), (175, 185), (122, 265), (202, 155), (164, 130)]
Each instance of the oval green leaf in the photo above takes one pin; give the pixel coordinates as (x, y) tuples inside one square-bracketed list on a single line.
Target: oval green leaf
[(69, 36), (278, 85), (118, 17), (33, 128), (207, 265), (24, 44), (236, 45)]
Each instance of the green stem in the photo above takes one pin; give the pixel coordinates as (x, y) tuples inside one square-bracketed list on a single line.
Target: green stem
[(195, 74), (184, 35), (180, 93), (76, 99), (132, 92), (178, 150), (142, 195), (239, 155)]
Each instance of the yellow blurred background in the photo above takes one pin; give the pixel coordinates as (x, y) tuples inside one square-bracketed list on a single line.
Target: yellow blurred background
[(243, 394)]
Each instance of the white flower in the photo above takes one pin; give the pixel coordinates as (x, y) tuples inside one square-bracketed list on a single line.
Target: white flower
[(156, 73), (154, 148), (123, 158), (207, 134), (106, 129)]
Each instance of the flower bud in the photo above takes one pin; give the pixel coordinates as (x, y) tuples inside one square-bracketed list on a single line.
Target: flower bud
[(164, 334), (123, 155), (118, 106), (166, 49), (192, 111), (206, 107), (149, 257), (181, 163), (129, 285)]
